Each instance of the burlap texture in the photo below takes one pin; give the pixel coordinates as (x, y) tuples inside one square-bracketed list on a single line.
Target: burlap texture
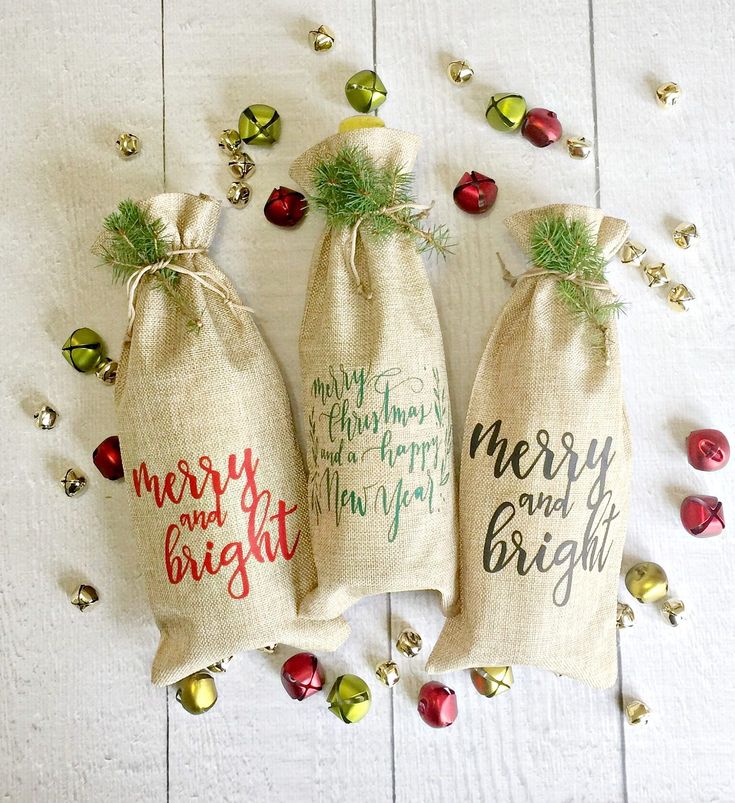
[(378, 421), (541, 374), (194, 399)]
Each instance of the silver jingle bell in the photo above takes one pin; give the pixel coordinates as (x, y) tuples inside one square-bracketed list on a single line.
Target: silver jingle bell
[(674, 612), (46, 417), (73, 483), (107, 371)]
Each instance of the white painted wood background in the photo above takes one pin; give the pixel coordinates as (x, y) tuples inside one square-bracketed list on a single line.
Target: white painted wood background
[(79, 719)]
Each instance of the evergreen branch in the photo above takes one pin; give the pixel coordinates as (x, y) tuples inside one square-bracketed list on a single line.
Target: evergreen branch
[(350, 189)]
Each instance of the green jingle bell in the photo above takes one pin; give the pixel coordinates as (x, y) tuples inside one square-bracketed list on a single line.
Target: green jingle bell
[(84, 350), (260, 124), (349, 698), (506, 111), (365, 91)]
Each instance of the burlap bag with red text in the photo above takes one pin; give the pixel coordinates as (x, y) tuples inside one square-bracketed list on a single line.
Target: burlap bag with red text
[(215, 477), (544, 485), (378, 421)]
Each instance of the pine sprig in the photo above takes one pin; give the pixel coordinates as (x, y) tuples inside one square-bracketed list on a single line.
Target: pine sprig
[(567, 246), (351, 188), (130, 241)]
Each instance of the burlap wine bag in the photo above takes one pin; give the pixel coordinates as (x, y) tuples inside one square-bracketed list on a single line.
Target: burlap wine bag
[(215, 477), (378, 421), (544, 483)]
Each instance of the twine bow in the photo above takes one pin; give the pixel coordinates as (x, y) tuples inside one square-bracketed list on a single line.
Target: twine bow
[(205, 279), (352, 241), (557, 275)]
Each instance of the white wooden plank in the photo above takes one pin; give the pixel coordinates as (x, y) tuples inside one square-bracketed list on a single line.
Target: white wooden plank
[(549, 739), (257, 743), (660, 166), (78, 716)]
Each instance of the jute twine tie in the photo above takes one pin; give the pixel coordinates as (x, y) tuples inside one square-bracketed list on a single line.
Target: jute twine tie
[(206, 280), (352, 242)]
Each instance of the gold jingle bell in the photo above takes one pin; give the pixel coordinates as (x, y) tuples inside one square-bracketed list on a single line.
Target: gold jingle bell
[(241, 165), (637, 712), (84, 596), (409, 643), (260, 124), (685, 234), (680, 296), (490, 681), (655, 273), (127, 145), (197, 693), (349, 698), (221, 665), (269, 649), (624, 616), (46, 417), (647, 582), (668, 94), (388, 673), (230, 141), (365, 91), (238, 194), (674, 612), (579, 147), (632, 252), (321, 39), (107, 371), (459, 72), (73, 483)]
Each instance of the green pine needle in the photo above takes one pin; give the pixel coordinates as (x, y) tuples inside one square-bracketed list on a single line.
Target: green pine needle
[(569, 246), (350, 187)]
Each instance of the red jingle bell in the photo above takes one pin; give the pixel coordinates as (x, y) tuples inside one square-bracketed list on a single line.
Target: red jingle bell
[(475, 193), (702, 516), (285, 207), (437, 704), (108, 459), (707, 449), (302, 675), (541, 127)]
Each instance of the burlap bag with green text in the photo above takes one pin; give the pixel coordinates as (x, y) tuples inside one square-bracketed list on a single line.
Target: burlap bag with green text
[(544, 483), (215, 477), (377, 414)]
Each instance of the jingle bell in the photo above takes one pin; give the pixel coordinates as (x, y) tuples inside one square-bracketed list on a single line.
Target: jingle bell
[(437, 704), (702, 516), (230, 141), (108, 459), (127, 145), (707, 449), (459, 72), (46, 417), (655, 273), (475, 193), (241, 165), (674, 612), (647, 582), (632, 252), (685, 234), (668, 94), (624, 616), (269, 649), (238, 194), (83, 350), (260, 124), (637, 712), (388, 673), (285, 207), (409, 643), (365, 91), (84, 596), (349, 698), (73, 483), (505, 112), (541, 127), (221, 665), (302, 675), (491, 681), (579, 147), (680, 296), (321, 39), (106, 371), (197, 693)]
